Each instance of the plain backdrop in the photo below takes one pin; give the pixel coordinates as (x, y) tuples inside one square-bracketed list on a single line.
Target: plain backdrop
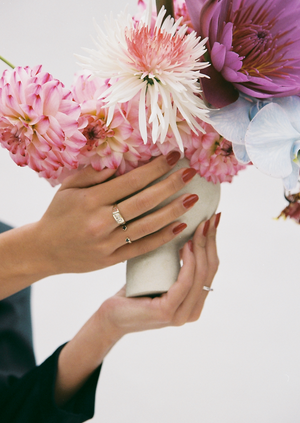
[(240, 362)]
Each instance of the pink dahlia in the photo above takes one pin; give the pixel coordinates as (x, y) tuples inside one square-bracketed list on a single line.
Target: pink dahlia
[(39, 121), (253, 47), (180, 12), (117, 145), (212, 156)]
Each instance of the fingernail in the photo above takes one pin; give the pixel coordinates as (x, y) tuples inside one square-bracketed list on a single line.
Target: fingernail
[(190, 201), (173, 158), (217, 219), (190, 245), (206, 227), (179, 228), (188, 174)]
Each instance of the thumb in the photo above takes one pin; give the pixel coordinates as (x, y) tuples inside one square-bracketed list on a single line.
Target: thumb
[(87, 177)]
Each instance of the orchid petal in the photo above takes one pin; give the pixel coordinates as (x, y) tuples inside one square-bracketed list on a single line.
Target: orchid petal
[(269, 141), (232, 121)]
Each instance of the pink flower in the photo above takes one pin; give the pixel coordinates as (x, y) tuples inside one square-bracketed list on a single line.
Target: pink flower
[(212, 156), (180, 11), (253, 47), (117, 145), (39, 121)]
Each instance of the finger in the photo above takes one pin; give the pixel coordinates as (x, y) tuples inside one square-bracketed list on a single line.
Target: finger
[(87, 177), (144, 245), (157, 220), (212, 265), (179, 291), (199, 278), (137, 179), (151, 197)]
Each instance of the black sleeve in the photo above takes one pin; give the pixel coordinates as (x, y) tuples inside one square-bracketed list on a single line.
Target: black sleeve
[(30, 399), (27, 390)]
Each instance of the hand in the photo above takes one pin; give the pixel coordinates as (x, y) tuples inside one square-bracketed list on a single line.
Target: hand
[(182, 303), (78, 232), (120, 315)]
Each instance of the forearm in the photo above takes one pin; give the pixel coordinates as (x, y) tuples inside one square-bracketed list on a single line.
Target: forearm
[(23, 259), (81, 356)]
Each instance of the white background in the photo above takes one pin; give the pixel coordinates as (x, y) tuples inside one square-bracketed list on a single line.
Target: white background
[(240, 362)]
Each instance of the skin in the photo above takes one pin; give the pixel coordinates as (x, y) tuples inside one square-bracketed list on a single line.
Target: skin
[(119, 315), (78, 233)]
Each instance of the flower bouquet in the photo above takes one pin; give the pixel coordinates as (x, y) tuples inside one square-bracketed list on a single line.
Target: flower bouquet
[(138, 96), (254, 83)]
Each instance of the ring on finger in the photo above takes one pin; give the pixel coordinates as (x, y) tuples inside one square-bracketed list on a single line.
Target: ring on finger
[(207, 288), (117, 216), (128, 240), (124, 227)]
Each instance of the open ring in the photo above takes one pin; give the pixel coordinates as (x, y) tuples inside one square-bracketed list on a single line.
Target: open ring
[(128, 240), (207, 288), (117, 215)]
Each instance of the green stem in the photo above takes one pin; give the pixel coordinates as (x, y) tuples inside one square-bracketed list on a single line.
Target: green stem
[(7, 62), (168, 6)]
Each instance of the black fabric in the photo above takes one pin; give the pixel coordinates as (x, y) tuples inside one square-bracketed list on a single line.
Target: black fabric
[(27, 390)]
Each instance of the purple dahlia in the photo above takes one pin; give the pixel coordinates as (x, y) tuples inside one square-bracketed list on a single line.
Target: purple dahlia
[(254, 47)]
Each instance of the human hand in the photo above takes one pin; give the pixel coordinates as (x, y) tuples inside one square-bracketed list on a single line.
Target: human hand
[(120, 315), (181, 304), (78, 232)]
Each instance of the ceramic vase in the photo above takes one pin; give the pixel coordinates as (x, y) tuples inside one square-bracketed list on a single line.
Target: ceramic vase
[(155, 272)]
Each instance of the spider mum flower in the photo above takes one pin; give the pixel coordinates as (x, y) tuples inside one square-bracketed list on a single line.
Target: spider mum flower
[(39, 121), (253, 46), (212, 156), (114, 145), (156, 62)]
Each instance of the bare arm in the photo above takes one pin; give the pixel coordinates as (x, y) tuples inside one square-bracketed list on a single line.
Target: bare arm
[(78, 233), (119, 315)]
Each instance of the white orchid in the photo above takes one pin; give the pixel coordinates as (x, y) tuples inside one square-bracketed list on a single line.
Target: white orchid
[(267, 133)]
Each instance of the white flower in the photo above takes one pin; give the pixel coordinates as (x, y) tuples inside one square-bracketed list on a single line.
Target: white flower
[(161, 64)]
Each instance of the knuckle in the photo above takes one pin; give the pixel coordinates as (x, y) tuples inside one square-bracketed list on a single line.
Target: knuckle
[(174, 182), (179, 321), (143, 202), (145, 229), (134, 181), (166, 316)]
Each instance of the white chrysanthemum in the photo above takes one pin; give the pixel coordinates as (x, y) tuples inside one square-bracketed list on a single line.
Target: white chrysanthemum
[(161, 64)]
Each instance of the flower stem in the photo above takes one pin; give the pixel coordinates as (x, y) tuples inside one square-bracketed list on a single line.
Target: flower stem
[(7, 62), (169, 6)]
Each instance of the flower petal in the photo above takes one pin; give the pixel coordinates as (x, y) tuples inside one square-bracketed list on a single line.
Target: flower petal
[(269, 141)]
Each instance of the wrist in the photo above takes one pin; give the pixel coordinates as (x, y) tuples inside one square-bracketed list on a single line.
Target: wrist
[(23, 259)]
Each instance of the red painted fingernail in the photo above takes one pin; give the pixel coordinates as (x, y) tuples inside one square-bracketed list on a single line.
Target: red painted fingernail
[(190, 201), (190, 245), (217, 219), (173, 158), (188, 174), (206, 227), (179, 228)]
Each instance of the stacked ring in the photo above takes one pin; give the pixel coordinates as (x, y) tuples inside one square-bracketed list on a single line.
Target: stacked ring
[(207, 288)]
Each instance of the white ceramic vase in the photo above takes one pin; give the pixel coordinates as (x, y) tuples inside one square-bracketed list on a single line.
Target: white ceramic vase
[(156, 271)]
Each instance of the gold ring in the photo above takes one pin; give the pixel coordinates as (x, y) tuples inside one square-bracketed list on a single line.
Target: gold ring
[(128, 240), (117, 215), (124, 227)]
